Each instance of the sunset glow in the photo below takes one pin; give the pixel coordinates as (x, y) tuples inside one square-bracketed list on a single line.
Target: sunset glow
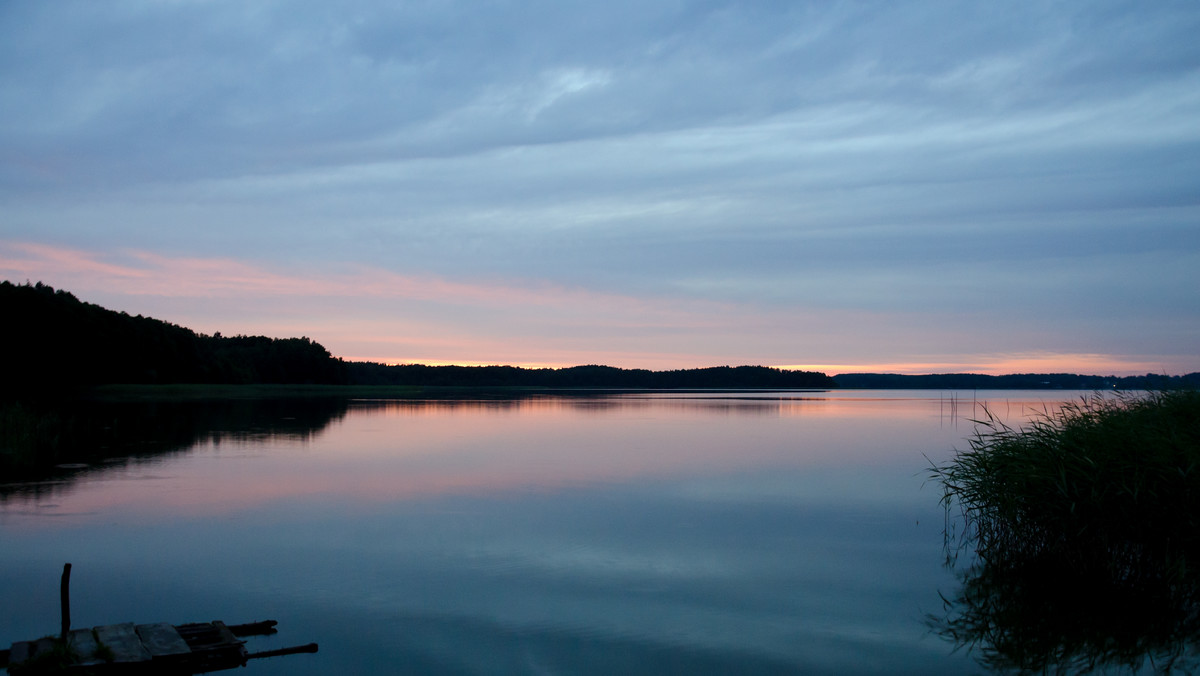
[(763, 184), (368, 314)]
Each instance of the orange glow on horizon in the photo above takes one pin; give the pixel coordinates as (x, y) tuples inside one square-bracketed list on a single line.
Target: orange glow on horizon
[(1082, 364), (363, 313), (997, 365), (1099, 365)]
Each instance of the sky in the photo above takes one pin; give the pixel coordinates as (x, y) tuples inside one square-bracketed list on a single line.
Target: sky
[(915, 187)]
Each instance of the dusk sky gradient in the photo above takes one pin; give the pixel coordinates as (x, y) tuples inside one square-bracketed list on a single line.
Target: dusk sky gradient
[(843, 186)]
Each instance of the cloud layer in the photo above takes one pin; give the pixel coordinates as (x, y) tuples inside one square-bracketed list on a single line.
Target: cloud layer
[(644, 184)]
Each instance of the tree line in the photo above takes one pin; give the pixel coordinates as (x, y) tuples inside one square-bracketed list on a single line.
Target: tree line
[(1016, 381), (53, 340), (720, 377)]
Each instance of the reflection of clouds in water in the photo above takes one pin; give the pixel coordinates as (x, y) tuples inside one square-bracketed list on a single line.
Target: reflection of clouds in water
[(655, 533), (597, 561), (847, 444), (759, 582)]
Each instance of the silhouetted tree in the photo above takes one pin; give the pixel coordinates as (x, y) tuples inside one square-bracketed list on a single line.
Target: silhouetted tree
[(53, 340)]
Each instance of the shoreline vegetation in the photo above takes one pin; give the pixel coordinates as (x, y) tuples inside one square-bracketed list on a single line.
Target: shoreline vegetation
[(61, 345), (72, 365), (1082, 537), (61, 342)]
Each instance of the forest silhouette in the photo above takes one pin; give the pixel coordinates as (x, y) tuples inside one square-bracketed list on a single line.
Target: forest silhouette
[(54, 340), (1015, 381)]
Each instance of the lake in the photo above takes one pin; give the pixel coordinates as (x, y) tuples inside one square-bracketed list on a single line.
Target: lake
[(638, 533)]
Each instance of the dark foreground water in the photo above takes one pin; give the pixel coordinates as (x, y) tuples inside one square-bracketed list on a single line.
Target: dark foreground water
[(709, 533)]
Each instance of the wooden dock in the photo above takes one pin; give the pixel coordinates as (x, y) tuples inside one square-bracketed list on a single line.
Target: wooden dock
[(143, 649), (119, 649)]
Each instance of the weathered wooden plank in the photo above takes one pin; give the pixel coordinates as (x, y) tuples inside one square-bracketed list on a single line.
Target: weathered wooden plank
[(23, 651), (44, 646), (214, 647), (162, 640), (20, 651), (83, 644), (123, 641), (226, 634), (200, 635)]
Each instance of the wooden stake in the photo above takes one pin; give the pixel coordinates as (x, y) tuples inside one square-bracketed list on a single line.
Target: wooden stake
[(65, 596)]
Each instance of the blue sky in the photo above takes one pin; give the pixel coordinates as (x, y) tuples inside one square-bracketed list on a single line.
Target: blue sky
[(919, 187)]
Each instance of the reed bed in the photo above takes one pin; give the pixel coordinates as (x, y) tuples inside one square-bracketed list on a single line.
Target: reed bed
[(1112, 480), (1084, 527)]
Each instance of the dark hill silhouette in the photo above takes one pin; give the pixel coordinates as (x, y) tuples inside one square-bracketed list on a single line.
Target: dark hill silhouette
[(53, 340)]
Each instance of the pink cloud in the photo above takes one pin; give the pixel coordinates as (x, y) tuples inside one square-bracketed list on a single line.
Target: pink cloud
[(366, 313), (992, 364), (137, 272), (379, 315), (143, 273), (36, 261)]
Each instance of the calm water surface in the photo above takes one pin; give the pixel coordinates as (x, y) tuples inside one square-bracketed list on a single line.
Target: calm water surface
[(778, 532)]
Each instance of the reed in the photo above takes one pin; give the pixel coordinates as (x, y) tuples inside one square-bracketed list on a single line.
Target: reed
[(1085, 531), (1106, 480)]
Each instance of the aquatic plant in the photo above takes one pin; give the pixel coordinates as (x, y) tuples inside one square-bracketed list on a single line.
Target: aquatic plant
[(1117, 475), (1083, 530)]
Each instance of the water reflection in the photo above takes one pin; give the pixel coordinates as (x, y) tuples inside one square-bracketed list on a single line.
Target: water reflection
[(409, 448), (1050, 616), (703, 534), (49, 446), (762, 404)]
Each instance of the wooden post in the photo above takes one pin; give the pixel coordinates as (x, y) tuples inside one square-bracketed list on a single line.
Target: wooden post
[(65, 596)]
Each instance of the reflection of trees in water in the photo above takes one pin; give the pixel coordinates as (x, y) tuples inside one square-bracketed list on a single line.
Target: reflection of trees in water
[(594, 401), (48, 445)]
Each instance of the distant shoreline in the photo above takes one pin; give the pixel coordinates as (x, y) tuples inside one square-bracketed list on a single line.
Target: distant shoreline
[(64, 345), (203, 391)]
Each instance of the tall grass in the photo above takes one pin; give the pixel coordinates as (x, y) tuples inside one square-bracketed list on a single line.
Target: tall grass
[(1085, 526), (1116, 475)]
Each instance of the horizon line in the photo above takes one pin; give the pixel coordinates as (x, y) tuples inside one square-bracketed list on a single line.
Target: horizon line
[(814, 368)]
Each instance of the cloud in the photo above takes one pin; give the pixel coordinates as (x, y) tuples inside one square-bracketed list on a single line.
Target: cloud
[(213, 88), (1029, 169), (366, 313), (135, 273)]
